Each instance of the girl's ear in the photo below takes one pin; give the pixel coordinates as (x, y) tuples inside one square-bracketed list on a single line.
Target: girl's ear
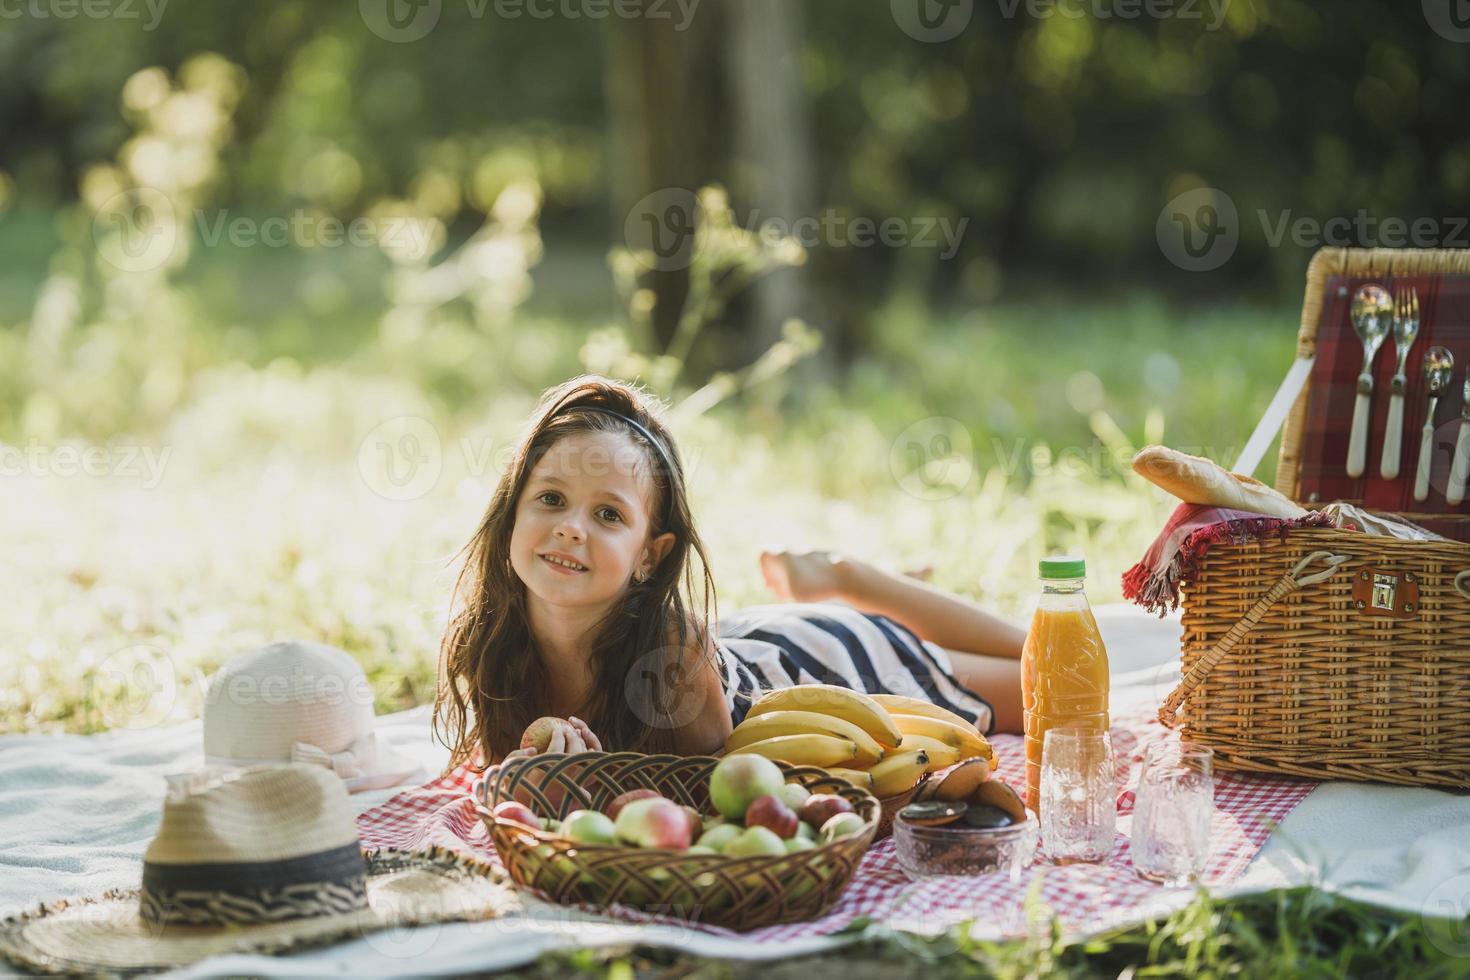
[(653, 555)]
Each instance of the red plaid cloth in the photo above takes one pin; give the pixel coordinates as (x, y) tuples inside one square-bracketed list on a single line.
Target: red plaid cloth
[(1083, 897), (1174, 557), (1444, 319)]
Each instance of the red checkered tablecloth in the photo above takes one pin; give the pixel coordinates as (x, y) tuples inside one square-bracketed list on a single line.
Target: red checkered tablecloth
[(1082, 897)]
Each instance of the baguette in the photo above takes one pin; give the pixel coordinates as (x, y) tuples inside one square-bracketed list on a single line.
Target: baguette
[(1196, 480)]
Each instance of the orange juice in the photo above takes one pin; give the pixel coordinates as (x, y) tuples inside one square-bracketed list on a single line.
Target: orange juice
[(1064, 665)]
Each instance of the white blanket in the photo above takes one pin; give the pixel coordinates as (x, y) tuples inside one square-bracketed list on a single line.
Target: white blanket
[(77, 812)]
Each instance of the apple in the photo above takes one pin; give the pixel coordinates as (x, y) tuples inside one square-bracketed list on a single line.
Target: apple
[(773, 814), (754, 841), (517, 813), (616, 806), (538, 734), (718, 837), (821, 807), (794, 844), (841, 825), (795, 795), (738, 780), (654, 822), (806, 831), (589, 827), (696, 822), (701, 849)]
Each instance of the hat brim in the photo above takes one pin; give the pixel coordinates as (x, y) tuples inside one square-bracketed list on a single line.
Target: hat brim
[(106, 933)]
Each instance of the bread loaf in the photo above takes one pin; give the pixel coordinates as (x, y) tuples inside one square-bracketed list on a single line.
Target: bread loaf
[(1196, 480)]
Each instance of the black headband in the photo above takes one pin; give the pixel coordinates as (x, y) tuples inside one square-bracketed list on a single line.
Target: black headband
[(658, 447)]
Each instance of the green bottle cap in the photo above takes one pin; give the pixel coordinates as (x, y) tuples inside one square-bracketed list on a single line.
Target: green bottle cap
[(1063, 566)]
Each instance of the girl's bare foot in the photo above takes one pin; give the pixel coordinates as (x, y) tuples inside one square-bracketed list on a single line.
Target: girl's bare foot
[(807, 576)]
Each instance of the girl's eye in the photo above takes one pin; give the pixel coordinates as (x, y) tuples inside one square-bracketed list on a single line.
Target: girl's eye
[(545, 495), (615, 515), (608, 513)]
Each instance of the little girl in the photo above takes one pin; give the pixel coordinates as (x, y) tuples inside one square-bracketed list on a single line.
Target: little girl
[(577, 601)]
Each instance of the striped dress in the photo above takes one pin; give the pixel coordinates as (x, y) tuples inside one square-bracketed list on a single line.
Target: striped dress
[(762, 648)]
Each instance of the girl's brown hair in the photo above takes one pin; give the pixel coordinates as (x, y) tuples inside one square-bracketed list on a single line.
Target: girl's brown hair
[(492, 681)]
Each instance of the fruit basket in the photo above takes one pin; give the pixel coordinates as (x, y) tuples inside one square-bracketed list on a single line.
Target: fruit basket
[(740, 893)]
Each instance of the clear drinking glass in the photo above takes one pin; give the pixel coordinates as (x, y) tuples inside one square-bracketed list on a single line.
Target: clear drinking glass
[(1078, 806), (1171, 813)]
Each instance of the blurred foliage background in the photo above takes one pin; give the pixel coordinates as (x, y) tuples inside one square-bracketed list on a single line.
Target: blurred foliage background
[(252, 239)]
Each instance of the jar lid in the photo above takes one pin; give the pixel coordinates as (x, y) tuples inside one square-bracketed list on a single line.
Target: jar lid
[(1063, 566)]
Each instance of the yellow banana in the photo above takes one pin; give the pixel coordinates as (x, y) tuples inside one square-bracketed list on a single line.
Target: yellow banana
[(857, 777), (970, 742), (898, 772), (897, 704), (804, 750), (942, 755), (775, 723), (829, 699)]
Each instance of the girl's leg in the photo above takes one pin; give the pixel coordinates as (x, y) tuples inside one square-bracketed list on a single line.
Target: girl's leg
[(935, 615), (943, 619)]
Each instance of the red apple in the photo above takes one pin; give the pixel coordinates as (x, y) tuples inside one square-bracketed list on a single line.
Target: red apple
[(821, 807), (653, 822), (771, 812), (517, 813), (616, 806)]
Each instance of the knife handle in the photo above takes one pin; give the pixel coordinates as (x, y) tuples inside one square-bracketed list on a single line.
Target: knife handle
[(1388, 467), (1358, 441), (1426, 450), (1460, 468)]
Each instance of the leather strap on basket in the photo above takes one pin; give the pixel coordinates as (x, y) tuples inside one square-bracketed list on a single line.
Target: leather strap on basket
[(1288, 583)]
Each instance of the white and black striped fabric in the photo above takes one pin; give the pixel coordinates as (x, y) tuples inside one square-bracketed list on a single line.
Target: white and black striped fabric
[(763, 648)]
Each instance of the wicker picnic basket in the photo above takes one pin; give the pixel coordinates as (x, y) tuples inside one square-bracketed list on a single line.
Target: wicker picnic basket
[(739, 893), (1328, 653)]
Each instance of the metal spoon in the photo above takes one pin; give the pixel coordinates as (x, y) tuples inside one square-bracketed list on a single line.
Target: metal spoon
[(1405, 329), (1439, 365), (1372, 314)]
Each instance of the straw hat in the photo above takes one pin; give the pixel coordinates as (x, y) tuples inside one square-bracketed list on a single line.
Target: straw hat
[(259, 860), (296, 701)]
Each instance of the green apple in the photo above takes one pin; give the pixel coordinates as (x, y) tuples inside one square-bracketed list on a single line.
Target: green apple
[(755, 841), (794, 795), (842, 825), (794, 844), (806, 830), (720, 836), (738, 780), (589, 827)]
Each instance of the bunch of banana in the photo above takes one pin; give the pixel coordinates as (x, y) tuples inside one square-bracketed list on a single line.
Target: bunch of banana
[(883, 743)]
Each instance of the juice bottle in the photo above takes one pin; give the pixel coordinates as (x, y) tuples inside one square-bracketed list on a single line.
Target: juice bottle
[(1064, 666)]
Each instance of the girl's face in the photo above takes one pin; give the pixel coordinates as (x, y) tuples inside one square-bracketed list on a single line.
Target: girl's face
[(587, 502)]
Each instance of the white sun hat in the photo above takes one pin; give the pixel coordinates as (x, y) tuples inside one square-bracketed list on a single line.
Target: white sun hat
[(258, 860), (297, 701)]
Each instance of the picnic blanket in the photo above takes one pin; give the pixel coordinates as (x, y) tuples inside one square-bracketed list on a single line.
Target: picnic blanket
[(77, 813), (1081, 896)]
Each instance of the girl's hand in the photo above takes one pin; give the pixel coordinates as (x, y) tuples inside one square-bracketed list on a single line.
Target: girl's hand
[(572, 736), (593, 743)]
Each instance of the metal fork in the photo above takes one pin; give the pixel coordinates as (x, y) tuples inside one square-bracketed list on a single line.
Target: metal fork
[(1405, 329)]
